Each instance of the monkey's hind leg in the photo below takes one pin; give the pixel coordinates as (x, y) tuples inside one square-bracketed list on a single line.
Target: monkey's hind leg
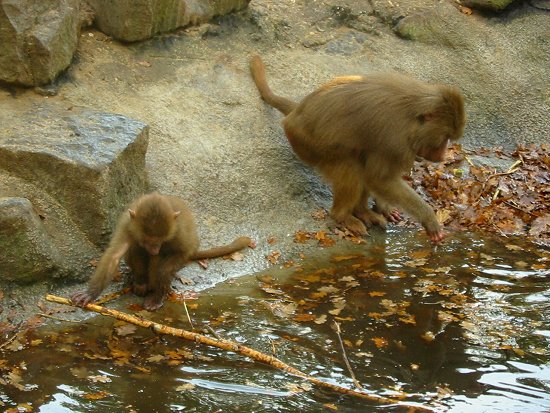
[(347, 188), (369, 216), (138, 261), (162, 272)]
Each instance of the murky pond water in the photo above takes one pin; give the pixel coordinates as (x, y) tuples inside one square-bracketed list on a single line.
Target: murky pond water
[(463, 327)]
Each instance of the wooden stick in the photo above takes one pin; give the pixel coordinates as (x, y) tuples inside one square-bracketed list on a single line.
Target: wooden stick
[(8, 341), (236, 348), (345, 356), (188, 316)]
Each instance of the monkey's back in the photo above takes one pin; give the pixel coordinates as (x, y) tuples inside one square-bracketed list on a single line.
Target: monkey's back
[(359, 112)]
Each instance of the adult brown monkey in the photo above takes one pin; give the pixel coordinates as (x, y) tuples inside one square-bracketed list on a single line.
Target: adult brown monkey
[(157, 236), (363, 133)]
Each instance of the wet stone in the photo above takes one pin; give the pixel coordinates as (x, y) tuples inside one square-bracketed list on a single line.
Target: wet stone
[(27, 251), (92, 162)]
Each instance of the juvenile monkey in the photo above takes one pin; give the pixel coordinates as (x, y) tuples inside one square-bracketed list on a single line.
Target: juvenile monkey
[(156, 236), (363, 133)]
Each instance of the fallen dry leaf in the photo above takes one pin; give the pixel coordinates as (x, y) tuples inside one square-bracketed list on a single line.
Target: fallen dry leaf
[(97, 396), (321, 319), (273, 258), (380, 342)]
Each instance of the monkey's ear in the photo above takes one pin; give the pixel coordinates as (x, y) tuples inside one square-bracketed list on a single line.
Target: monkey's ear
[(132, 213), (177, 214)]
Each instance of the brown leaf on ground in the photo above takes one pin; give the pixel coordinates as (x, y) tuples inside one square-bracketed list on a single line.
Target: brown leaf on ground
[(273, 258), (301, 237)]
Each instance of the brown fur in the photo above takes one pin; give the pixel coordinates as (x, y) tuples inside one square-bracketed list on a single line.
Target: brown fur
[(363, 133), (156, 237)]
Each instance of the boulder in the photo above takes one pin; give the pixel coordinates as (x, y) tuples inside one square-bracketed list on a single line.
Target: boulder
[(39, 238), (133, 20), (28, 253), (37, 39), (92, 163)]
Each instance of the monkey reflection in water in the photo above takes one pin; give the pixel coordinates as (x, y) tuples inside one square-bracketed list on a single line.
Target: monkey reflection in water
[(157, 236), (363, 133)]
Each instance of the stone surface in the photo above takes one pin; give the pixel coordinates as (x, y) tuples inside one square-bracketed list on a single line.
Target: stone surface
[(92, 162), (59, 249), (443, 26), (28, 253), (496, 5), (37, 39), (133, 20)]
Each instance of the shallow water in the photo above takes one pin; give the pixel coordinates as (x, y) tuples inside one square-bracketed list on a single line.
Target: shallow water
[(463, 327)]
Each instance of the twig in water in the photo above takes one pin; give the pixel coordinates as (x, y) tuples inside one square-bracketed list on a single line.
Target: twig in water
[(187, 312), (273, 348), (9, 340), (213, 332), (57, 318), (344, 355)]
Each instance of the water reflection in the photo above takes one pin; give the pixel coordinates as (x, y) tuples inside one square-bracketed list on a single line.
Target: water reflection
[(514, 387), (460, 328)]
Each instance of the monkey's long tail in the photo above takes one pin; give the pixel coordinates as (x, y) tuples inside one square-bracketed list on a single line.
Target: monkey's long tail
[(237, 245), (257, 69)]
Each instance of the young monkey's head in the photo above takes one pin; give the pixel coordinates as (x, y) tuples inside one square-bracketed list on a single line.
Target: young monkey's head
[(153, 222)]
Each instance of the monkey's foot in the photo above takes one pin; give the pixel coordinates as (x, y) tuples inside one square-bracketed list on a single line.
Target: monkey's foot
[(140, 289), (370, 218), (153, 302), (354, 225), (391, 214)]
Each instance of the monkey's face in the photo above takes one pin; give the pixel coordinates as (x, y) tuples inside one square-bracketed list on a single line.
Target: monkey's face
[(434, 153), (151, 244)]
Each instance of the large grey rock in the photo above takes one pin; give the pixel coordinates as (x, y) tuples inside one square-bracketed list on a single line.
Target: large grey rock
[(133, 20), (37, 39), (93, 163), (27, 251), (38, 238)]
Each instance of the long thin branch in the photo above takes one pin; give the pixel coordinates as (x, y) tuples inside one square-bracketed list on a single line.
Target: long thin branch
[(345, 356), (236, 348)]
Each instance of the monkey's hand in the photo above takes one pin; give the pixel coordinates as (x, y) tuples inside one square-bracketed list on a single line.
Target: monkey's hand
[(435, 233), (82, 298)]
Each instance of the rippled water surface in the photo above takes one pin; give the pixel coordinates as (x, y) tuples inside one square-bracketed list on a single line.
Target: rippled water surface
[(462, 327)]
